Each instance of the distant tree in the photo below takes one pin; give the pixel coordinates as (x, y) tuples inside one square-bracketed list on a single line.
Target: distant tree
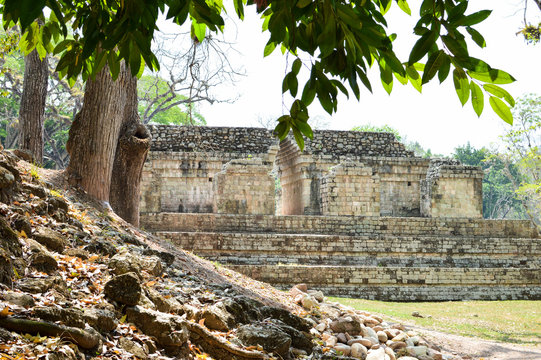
[(500, 200), (374, 128)]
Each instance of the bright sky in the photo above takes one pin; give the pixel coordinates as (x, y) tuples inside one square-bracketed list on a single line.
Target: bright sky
[(434, 118)]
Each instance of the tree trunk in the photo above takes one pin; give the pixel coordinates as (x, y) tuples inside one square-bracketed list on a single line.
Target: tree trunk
[(132, 148), (32, 110), (93, 136)]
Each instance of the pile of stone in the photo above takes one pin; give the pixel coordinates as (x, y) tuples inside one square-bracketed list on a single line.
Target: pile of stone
[(356, 334)]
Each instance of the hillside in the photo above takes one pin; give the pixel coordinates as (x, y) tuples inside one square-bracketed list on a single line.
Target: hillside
[(78, 282)]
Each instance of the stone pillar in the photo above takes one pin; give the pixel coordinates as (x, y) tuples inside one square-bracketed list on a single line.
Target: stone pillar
[(452, 190), (244, 186), (350, 188)]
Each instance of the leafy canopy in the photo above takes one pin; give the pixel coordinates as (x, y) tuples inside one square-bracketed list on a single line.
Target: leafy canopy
[(342, 39)]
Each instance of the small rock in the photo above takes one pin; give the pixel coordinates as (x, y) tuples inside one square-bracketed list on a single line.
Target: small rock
[(358, 351), (321, 327), (308, 302), (346, 324), (22, 223), (331, 341), (152, 265), (302, 287), (76, 252), (397, 345), (132, 347), (20, 299), (417, 314), (41, 259), (125, 289), (317, 294), (342, 349), (359, 340), (70, 316), (390, 353), (342, 338), (376, 354), (417, 350), (42, 285), (382, 337)]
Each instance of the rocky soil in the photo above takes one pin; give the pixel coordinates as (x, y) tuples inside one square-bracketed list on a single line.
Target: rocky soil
[(77, 282)]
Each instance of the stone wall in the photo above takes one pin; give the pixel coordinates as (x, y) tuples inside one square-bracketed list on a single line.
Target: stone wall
[(244, 187), (384, 258), (301, 175), (350, 189), (452, 190), (179, 172)]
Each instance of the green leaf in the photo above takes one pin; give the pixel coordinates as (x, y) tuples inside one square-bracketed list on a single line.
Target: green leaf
[(477, 98), (292, 84), (295, 68), (462, 85), (308, 93), (499, 92), (298, 138), (433, 64), (114, 64), (422, 46), (304, 128), (403, 4), (457, 48), (444, 69), (476, 36), (501, 109), (414, 78), (282, 129), (493, 76), (269, 48), (473, 19), (239, 8), (198, 30), (303, 3)]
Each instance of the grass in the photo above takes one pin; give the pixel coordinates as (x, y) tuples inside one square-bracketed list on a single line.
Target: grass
[(517, 322)]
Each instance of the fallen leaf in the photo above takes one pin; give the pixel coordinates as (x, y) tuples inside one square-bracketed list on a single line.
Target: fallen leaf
[(5, 312)]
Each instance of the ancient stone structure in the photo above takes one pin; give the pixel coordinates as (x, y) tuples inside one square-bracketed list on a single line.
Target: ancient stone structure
[(355, 214)]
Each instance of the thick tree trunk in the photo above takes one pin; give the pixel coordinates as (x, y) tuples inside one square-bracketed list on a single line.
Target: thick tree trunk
[(32, 110), (93, 136), (132, 148)]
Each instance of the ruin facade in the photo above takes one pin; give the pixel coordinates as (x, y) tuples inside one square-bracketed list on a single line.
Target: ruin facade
[(373, 220)]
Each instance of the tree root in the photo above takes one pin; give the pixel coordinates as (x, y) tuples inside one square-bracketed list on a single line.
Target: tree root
[(84, 339), (217, 342)]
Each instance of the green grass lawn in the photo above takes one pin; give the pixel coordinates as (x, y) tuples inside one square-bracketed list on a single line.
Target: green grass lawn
[(516, 322)]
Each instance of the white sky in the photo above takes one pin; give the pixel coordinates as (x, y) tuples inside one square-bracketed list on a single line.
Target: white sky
[(434, 118)]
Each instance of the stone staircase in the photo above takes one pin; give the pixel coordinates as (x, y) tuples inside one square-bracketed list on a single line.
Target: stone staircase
[(384, 258)]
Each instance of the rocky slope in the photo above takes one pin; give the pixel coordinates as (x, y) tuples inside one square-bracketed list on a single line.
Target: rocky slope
[(78, 282)]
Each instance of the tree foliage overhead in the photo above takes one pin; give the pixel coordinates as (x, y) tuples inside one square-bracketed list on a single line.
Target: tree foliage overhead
[(342, 39)]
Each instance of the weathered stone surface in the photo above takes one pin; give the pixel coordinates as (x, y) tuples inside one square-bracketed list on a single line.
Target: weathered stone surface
[(70, 316), (20, 299), (346, 324), (132, 347), (286, 317), (218, 318), (125, 262), (152, 264), (51, 239), (358, 351), (100, 319), (169, 330), (125, 289), (270, 337), (41, 285)]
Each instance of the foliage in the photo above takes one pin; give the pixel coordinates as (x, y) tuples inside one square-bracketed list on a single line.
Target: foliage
[(523, 147), (158, 105), (341, 40), (375, 128), (499, 198)]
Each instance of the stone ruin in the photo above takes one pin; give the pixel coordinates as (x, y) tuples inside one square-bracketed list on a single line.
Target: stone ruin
[(354, 214)]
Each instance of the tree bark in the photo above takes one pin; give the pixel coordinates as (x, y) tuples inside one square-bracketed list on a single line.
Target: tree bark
[(131, 152), (93, 136), (32, 110)]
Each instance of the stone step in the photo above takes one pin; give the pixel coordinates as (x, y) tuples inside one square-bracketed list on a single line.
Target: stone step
[(404, 283), (379, 250), (339, 225)]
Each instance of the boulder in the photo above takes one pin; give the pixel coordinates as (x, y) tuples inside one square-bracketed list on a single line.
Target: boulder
[(100, 319), (132, 347), (70, 316), (169, 330), (42, 285), (51, 239), (125, 262), (125, 289), (358, 351), (286, 317), (270, 337), (218, 318), (41, 259)]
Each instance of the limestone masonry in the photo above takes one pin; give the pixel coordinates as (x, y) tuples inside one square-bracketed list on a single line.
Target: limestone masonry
[(354, 214)]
